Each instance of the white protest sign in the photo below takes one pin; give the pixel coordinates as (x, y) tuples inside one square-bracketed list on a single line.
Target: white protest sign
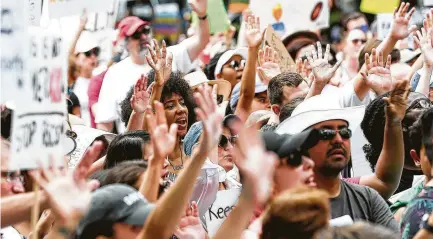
[(62, 8), (39, 119), (428, 3), (35, 12), (287, 17), (384, 21), (220, 209), (13, 42)]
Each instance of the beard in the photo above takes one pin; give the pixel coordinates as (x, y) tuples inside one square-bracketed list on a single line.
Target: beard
[(332, 167)]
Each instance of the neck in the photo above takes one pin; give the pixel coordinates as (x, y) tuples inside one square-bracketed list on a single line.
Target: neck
[(137, 59), (86, 73), (24, 228), (177, 152), (331, 184)]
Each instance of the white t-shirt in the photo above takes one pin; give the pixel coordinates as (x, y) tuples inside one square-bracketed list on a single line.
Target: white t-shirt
[(80, 89), (121, 77), (346, 95), (10, 233)]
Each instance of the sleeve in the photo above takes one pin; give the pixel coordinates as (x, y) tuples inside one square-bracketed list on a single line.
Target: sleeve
[(415, 80), (95, 88), (348, 97), (181, 60), (354, 180), (381, 212), (106, 111)]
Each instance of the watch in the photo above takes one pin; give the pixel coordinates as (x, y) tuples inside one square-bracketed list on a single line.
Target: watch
[(203, 18), (425, 224)]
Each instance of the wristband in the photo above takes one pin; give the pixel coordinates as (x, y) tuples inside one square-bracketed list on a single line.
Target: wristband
[(203, 18)]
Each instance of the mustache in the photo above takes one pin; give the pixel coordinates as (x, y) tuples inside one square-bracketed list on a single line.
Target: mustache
[(334, 147)]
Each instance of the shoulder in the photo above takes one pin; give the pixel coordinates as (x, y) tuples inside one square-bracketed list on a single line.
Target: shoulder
[(359, 189), (119, 67)]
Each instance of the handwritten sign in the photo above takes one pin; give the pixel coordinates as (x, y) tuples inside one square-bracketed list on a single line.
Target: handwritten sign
[(220, 209), (384, 21), (39, 118), (62, 8), (13, 42), (272, 39), (35, 11), (287, 18)]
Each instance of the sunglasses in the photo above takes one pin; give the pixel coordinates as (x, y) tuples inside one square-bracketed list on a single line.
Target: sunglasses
[(95, 51), (327, 134), (145, 30), (420, 104), (237, 64), (294, 159), (224, 141), (12, 177), (357, 41)]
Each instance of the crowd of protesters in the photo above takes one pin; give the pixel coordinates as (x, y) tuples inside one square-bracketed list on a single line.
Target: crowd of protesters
[(175, 129)]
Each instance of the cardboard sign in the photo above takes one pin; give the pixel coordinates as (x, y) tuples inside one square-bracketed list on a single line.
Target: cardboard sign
[(35, 11), (217, 16), (375, 7), (287, 18), (63, 8), (40, 114), (384, 21), (220, 209), (272, 39), (13, 42)]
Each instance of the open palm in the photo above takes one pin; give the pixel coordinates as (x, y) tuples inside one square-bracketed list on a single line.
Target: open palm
[(190, 226), (378, 72), (424, 40), (400, 26), (269, 64), (160, 61), (322, 70), (397, 101), (253, 34), (140, 98)]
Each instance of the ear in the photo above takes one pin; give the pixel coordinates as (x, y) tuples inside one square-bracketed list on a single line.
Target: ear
[(218, 76), (276, 109), (415, 157)]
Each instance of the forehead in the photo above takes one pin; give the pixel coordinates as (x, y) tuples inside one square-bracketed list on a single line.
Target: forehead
[(355, 23), (172, 97), (263, 94), (356, 34), (331, 124)]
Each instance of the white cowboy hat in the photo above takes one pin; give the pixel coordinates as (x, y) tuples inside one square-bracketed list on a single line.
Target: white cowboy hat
[(197, 78)]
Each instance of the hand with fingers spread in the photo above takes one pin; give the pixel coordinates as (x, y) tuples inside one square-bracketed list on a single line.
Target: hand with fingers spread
[(163, 139), (424, 40), (269, 64), (322, 70), (212, 121), (253, 34), (199, 7), (378, 72), (400, 25), (396, 103), (428, 21), (81, 171), (189, 226), (140, 98), (160, 61)]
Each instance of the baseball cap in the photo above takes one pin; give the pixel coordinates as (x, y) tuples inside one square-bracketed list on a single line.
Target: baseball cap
[(85, 43), (260, 87), (129, 25), (242, 51), (112, 204), (318, 109), (285, 144), (407, 55), (197, 78)]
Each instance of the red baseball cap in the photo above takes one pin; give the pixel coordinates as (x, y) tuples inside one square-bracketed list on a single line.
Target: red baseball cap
[(129, 25)]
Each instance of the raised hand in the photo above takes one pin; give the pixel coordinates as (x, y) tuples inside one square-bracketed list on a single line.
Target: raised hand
[(198, 6), (83, 19), (189, 226), (378, 72), (424, 40), (400, 25), (269, 64), (163, 139), (212, 120), (322, 70), (81, 171), (140, 98), (160, 61), (253, 34), (396, 103)]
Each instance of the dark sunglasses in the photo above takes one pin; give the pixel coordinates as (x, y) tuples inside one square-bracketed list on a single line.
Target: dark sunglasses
[(327, 134), (145, 30), (95, 51), (421, 103), (237, 64), (294, 159), (224, 141), (356, 41)]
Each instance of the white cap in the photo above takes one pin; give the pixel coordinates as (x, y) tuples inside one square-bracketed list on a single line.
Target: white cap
[(242, 51), (198, 78), (407, 55), (85, 43)]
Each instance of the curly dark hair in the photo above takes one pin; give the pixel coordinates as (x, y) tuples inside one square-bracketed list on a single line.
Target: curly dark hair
[(373, 127), (176, 84), (277, 83)]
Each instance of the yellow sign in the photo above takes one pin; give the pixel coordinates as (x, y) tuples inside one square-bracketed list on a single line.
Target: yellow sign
[(375, 6)]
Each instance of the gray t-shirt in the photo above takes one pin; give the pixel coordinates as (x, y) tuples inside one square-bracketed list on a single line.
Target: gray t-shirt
[(362, 203)]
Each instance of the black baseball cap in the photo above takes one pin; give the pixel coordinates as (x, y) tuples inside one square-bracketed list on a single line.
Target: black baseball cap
[(112, 204), (285, 144)]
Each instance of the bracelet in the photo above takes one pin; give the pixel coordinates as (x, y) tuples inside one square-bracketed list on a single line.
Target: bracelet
[(203, 18)]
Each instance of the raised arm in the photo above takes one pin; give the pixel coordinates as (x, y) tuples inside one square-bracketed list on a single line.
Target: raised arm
[(390, 163), (424, 39), (247, 91), (197, 43), (17, 208), (139, 103), (83, 22), (163, 220), (378, 72)]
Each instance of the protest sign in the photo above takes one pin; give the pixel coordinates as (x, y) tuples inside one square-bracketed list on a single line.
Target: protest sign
[(14, 39), (220, 209), (217, 16), (374, 6), (166, 22), (288, 18), (272, 39), (384, 21), (63, 8), (39, 118), (428, 3), (35, 11)]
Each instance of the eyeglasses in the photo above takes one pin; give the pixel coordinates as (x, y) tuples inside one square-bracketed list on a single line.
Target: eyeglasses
[(12, 177), (237, 64), (145, 30), (95, 51), (420, 104), (294, 159), (224, 141), (327, 134), (357, 41)]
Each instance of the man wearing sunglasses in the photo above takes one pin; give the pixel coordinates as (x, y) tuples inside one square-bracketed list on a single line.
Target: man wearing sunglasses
[(137, 35)]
